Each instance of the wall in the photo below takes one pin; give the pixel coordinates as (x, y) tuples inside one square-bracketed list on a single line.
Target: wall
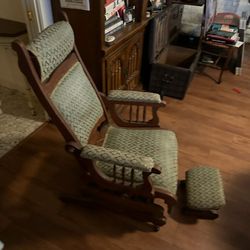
[(12, 10), (45, 13), (193, 15), (236, 6)]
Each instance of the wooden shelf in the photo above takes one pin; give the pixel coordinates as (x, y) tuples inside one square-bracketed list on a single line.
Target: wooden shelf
[(123, 35), (109, 65)]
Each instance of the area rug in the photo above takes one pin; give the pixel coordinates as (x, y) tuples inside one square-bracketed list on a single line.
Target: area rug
[(13, 130)]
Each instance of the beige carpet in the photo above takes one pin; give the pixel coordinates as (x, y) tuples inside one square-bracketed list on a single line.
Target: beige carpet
[(16, 119), (15, 103), (13, 130)]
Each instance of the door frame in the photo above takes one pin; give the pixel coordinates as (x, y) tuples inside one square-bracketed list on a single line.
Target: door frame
[(38, 15)]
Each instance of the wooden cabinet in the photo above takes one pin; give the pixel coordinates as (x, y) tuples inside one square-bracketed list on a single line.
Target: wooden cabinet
[(116, 66), (122, 67), (114, 70)]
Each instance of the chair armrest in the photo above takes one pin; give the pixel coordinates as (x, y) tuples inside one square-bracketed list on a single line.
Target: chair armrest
[(140, 108), (117, 157), (134, 96)]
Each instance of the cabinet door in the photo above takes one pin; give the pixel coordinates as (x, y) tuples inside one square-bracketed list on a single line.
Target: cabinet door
[(114, 71), (133, 61), (122, 68)]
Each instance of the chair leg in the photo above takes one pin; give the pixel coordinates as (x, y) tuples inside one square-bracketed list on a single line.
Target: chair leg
[(136, 209)]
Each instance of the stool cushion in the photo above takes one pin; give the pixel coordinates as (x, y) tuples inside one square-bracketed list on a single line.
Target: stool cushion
[(204, 188)]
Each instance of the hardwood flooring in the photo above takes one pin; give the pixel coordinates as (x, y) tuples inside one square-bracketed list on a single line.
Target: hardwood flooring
[(212, 125)]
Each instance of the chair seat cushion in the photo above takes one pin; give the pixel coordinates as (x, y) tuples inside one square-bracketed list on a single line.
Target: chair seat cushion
[(204, 188), (159, 144)]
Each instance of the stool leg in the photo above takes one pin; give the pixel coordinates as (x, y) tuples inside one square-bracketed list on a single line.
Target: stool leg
[(207, 215)]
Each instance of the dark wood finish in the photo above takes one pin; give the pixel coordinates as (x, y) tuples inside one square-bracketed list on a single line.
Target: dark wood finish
[(9, 28), (212, 126), (160, 33), (122, 68), (207, 215), (171, 60), (88, 27), (141, 5), (140, 114), (155, 40), (107, 63)]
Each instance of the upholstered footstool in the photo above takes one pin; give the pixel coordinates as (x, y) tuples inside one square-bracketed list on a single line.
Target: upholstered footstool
[(204, 192)]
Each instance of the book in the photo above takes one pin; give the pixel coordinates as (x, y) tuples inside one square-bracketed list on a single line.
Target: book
[(223, 39), (116, 29), (112, 8), (113, 26), (111, 20), (223, 32)]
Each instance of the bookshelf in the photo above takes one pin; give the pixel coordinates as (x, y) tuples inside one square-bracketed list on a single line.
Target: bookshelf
[(115, 65)]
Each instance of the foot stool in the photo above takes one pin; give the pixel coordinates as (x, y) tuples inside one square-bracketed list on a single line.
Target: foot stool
[(204, 192)]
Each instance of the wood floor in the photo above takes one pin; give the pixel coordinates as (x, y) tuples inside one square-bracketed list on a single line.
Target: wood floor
[(212, 124)]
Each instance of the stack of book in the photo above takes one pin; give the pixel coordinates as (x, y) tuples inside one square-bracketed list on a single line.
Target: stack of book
[(113, 10), (223, 33)]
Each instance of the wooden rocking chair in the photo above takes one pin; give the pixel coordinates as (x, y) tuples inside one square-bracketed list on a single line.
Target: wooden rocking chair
[(124, 169)]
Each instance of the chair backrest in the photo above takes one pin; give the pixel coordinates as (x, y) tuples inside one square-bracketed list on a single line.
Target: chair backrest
[(55, 71), (227, 18)]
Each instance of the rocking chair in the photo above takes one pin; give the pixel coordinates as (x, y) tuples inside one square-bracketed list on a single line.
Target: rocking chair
[(127, 163)]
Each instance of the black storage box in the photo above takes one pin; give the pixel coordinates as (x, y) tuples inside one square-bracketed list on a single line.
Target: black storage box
[(172, 71), (171, 55)]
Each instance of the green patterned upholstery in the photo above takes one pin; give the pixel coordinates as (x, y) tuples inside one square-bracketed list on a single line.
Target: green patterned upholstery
[(78, 103), (74, 96), (52, 46), (134, 96), (117, 157), (161, 145), (204, 188)]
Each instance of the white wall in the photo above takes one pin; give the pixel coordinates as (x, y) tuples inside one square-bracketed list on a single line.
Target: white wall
[(12, 9), (236, 6), (45, 13)]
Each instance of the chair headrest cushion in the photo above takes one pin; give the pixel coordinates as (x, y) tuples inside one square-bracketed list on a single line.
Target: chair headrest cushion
[(52, 46)]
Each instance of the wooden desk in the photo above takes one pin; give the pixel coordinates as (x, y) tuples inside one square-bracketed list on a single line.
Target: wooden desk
[(217, 56)]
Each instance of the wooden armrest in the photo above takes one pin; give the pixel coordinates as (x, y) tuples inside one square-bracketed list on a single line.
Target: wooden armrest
[(129, 96), (143, 102), (120, 158)]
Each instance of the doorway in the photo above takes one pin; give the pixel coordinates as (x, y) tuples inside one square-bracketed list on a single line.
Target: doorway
[(20, 111)]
